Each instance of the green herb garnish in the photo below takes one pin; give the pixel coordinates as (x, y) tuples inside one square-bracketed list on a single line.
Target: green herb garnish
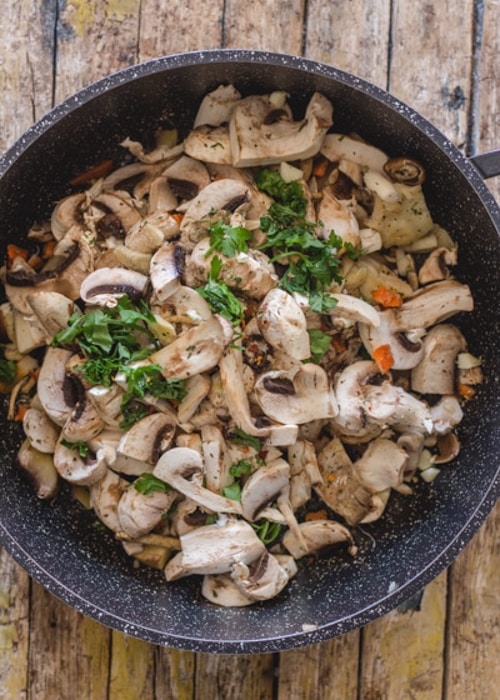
[(319, 343), (233, 491), (7, 371), (228, 240), (219, 297), (81, 447), (240, 468), (266, 530), (239, 437), (148, 483)]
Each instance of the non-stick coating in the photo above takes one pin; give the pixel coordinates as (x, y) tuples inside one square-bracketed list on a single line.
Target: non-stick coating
[(60, 545)]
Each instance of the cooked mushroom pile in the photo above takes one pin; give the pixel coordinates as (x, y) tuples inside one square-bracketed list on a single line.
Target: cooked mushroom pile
[(246, 343)]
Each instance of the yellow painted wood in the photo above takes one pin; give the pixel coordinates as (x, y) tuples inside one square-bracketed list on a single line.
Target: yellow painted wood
[(402, 652), (132, 668), (14, 629), (474, 618), (174, 674), (326, 671), (68, 654)]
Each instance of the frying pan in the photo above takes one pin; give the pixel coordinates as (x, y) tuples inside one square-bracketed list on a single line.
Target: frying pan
[(420, 535)]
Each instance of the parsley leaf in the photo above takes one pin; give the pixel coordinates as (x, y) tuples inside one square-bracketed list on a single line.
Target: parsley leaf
[(219, 297), (266, 531), (7, 371), (240, 468), (148, 483), (228, 240), (233, 491), (81, 447), (239, 437), (132, 412), (319, 342), (147, 378)]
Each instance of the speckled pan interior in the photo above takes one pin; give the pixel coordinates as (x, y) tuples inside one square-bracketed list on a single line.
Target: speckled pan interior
[(60, 545)]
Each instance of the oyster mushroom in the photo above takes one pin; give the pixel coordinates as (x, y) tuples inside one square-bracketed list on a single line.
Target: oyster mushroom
[(435, 373), (296, 396), (38, 468), (283, 324), (139, 513), (182, 468), (194, 351), (141, 446), (318, 535), (257, 138), (214, 549), (106, 285)]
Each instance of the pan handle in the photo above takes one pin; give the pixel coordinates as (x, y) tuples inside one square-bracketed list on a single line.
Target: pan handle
[(488, 163)]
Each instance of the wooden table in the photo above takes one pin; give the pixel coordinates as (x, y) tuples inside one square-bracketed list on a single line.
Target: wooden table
[(441, 57)]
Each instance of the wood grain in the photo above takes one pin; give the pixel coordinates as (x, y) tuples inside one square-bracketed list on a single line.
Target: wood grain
[(14, 629)]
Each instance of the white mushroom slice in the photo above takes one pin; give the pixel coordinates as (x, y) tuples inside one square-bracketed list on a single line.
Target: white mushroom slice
[(107, 401), (217, 465), (255, 141), (121, 205), (106, 443), (126, 172), (435, 373), (406, 351), (349, 387), (354, 309), (281, 435), (304, 472), (83, 471), (53, 310), (214, 549), (105, 495), (336, 216), (40, 430), (126, 257), (283, 324), (38, 468), (66, 214), (107, 284), (263, 579), (162, 152), (189, 303), (182, 468), (84, 421), (403, 222), (197, 388), (318, 535), (139, 513), (187, 177), (195, 351), (217, 106), (161, 197), (413, 444), (390, 405), (209, 144), (446, 414), (52, 385), (263, 487), (141, 446), (28, 333), (231, 373), (165, 271), (338, 147), (381, 186), (220, 589), (433, 304), (435, 267), (144, 238), (297, 396), (382, 466)]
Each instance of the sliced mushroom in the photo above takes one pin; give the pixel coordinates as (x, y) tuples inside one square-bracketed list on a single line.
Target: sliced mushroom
[(336, 216), (165, 271), (214, 549), (66, 214), (165, 151), (353, 309), (105, 496), (405, 170), (406, 348), (318, 535), (209, 144), (84, 421), (53, 310), (144, 238), (446, 414), (337, 147), (217, 465), (108, 284), (435, 373), (382, 466), (193, 352), (53, 386), (435, 267), (297, 396), (283, 324), (235, 394), (182, 468), (217, 106), (263, 487), (40, 430), (107, 401), (38, 467), (139, 513), (83, 471), (141, 446), (220, 589), (261, 134), (263, 579), (187, 177), (197, 388)]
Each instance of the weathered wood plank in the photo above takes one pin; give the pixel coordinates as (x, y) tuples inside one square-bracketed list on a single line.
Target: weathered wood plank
[(132, 668), (14, 629), (69, 653), (271, 25), (402, 652), (168, 28), (474, 621), (174, 674), (352, 36), (227, 677), (326, 671)]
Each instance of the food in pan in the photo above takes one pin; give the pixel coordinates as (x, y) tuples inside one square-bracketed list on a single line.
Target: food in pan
[(236, 344)]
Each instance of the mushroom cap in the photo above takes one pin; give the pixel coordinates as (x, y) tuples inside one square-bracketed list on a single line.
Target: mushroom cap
[(435, 373), (283, 324), (106, 285), (318, 534)]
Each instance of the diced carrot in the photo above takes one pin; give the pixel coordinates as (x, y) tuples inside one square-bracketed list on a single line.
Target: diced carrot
[(48, 249), (21, 411), (316, 515), (177, 217), (14, 251), (383, 357), (320, 167), (387, 298), (466, 391), (34, 261), (100, 170)]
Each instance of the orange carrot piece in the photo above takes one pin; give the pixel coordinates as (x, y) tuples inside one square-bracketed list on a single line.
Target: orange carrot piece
[(14, 251), (34, 261), (383, 357), (320, 167), (177, 217), (48, 249), (387, 298), (100, 170), (21, 411), (466, 391), (316, 515)]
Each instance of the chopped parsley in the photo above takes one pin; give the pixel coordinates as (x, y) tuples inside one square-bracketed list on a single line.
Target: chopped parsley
[(266, 530), (240, 468), (219, 297), (147, 378), (233, 491), (148, 483), (239, 437), (228, 240), (319, 343), (81, 447), (7, 371)]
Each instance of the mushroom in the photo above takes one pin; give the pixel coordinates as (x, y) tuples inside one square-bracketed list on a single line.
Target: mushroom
[(283, 324), (107, 401), (261, 134), (318, 535), (382, 466), (335, 216), (165, 270), (52, 310), (144, 238), (84, 422), (263, 487), (222, 590), (446, 414), (106, 285), (165, 151), (40, 430), (197, 388), (337, 147), (38, 467), (214, 549), (304, 472), (194, 351), (105, 496), (406, 348), (182, 468), (54, 386), (141, 446), (435, 373), (296, 396), (354, 310), (435, 267), (139, 513), (67, 213), (83, 471), (405, 170), (209, 144), (217, 465), (217, 106), (262, 579), (187, 177), (389, 405)]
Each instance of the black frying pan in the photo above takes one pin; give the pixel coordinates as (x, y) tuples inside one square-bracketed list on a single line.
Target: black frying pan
[(60, 546)]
